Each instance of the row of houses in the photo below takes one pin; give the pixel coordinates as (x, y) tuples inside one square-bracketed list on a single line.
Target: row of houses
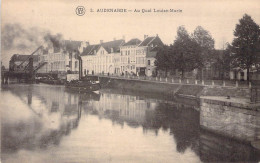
[(120, 57), (116, 57)]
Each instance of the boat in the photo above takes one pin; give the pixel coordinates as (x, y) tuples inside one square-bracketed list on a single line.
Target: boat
[(85, 84)]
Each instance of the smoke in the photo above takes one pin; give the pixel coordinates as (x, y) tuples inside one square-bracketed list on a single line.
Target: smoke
[(53, 40), (17, 39), (14, 36)]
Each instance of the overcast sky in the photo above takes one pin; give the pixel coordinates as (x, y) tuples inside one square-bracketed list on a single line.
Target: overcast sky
[(218, 17)]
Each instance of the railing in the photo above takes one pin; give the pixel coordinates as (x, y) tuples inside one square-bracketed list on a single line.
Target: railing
[(190, 81)]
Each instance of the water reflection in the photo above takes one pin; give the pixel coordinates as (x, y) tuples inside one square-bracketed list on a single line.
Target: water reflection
[(182, 122), (71, 127), (48, 116), (215, 148)]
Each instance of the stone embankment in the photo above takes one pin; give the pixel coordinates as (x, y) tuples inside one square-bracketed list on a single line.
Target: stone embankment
[(169, 88)]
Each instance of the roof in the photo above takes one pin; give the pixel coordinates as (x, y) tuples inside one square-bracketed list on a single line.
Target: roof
[(70, 45), (151, 40), (22, 57), (115, 45), (152, 52), (134, 41), (89, 50)]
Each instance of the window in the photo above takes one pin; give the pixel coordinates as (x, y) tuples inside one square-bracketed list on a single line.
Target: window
[(149, 62), (76, 64), (70, 63)]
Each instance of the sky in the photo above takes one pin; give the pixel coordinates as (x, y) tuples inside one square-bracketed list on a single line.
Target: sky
[(58, 16)]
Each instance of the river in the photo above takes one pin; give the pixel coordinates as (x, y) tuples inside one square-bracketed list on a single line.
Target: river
[(43, 123)]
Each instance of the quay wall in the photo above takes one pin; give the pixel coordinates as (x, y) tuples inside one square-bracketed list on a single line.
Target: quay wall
[(226, 91), (145, 86), (170, 89), (234, 118)]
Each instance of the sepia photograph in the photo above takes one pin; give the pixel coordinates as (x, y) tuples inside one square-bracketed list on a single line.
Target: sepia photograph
[(120, 81)]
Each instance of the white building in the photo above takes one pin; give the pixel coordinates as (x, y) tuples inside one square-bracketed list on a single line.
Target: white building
[(128, 57), (100, 58), (138, 57), (118, 57)]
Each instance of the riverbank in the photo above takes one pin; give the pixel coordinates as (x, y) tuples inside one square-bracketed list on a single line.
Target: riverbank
[(236, 118), (171, 89)]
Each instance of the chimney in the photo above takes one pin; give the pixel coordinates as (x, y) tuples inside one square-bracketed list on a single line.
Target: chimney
[(101, 41), (145, 36)]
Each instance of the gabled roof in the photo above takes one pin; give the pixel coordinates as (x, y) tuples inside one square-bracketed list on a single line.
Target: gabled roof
[(134, 41), (152, 52), (115, 45), (151, 40)]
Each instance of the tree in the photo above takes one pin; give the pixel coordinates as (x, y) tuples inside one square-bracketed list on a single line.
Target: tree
[(222, 60), (186, 52), (206, 43), (162, 61), (244, 45)]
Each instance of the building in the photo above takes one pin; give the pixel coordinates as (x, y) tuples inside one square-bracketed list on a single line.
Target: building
[(150, 62), (63, 59), (100, 58), (138, 57), (146, 53), (19, 62), (127, 59), (134, 57)]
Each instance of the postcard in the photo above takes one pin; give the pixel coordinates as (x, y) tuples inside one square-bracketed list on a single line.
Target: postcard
[(130, 81)]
